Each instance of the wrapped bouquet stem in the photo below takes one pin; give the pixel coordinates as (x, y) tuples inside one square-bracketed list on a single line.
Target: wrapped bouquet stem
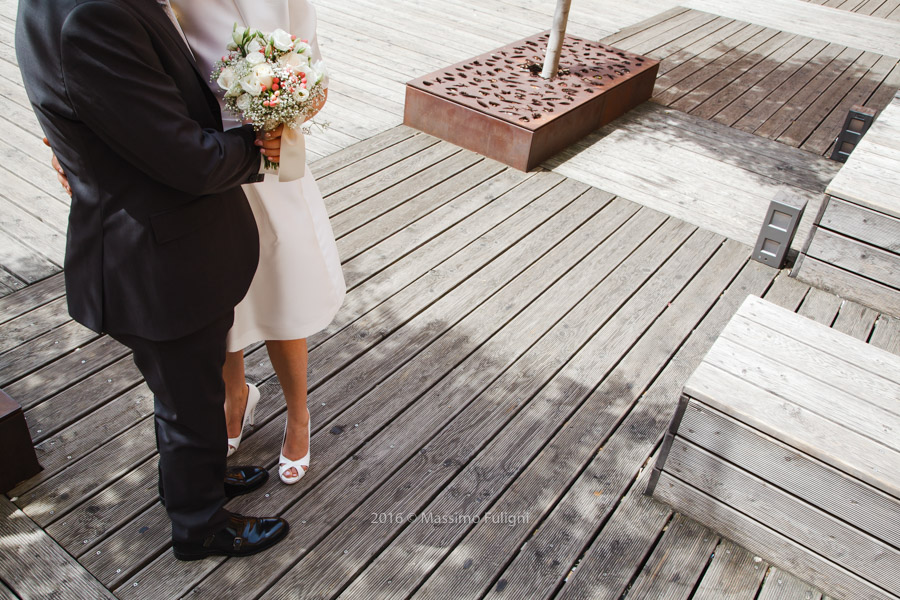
[(270, 80)]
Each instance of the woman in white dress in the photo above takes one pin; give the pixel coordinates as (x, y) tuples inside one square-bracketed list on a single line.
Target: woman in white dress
[(299, 285)]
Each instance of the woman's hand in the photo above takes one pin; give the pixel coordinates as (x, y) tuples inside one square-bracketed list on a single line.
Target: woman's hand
[(60, 174), (269, 143)]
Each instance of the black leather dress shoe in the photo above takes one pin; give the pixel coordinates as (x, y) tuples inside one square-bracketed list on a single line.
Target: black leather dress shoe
[(238, 481), (241, 536), (243, 480)]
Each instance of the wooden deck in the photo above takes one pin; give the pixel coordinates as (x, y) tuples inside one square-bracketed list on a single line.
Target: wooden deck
[(511, 345), (781, 86)]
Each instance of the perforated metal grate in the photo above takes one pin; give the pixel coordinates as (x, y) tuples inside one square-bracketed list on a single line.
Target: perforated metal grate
[(506, 82)]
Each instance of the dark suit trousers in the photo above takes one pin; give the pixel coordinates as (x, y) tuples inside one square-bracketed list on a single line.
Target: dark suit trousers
[(185, 376)]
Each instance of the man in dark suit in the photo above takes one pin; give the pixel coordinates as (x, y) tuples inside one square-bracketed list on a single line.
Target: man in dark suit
[(162, 243)]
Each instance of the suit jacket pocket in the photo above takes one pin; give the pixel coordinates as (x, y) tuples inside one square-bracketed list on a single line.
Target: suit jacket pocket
[(176, 223)]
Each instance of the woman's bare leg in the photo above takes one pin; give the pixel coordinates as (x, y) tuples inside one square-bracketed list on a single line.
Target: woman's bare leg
[(235, 392), (289, 357)]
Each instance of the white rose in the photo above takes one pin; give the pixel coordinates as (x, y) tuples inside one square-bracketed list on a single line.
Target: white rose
[(251, 85), (291, 59), (226, 78), (254, 46), (243, 101), (281, 39), (300, 93), (264, 74), (302, 48), (255, 58)]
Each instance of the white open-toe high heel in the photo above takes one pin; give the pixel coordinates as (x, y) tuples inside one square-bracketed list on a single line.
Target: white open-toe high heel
[(285, 465), (249, 417)]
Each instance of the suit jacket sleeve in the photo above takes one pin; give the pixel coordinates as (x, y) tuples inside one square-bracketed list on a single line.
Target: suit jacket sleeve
[(118, 87)]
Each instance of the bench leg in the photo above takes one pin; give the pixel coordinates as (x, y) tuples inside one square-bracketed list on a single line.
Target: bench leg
[(19, 459), (667, 444)]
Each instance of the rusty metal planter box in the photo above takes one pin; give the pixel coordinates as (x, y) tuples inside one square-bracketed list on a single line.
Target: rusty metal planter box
[(497, 104)]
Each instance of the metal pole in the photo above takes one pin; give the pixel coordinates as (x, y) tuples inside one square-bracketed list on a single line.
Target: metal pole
[(557, 35)]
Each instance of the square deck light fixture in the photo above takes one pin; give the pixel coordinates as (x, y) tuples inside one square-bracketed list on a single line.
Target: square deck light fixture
[(778, 229), (858, 121)]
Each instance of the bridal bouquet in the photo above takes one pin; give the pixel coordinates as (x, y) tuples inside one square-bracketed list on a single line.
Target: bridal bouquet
[(269, 80)]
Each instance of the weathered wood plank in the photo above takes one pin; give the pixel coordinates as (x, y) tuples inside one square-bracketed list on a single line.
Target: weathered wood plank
[(855, 320), (886, 334), (81, 529), (880, 364), (401, 194), (619, 550), (35, 565), (26, 327), (32, 231), (668, 16), (387, 177), (42, 350), (781, 551), (83, 436), (859, 258), (868, 557), (758, 61), (470, 434), (53, 498), (786, 292), (783, 118), (24, 262), (345, 171), (677, 562), (431, 212), (820, 307), (868, 185), (684, 94), (733, 574), (738, 148), (9, 282), (60, 373), (818, 436), (850, 87), (850, 29), (685, 68), (717, 101), (848, 285), (348, 156), (784, 83), (6, 593), (826, 487), (780, 585), (863, 224)]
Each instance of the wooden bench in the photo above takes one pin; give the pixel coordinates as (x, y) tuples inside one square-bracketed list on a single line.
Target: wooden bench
[(854, 247), (18, 460), (787, 441)]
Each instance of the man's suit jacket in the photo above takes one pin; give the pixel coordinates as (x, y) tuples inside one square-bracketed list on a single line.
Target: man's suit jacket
[(161, 238)]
